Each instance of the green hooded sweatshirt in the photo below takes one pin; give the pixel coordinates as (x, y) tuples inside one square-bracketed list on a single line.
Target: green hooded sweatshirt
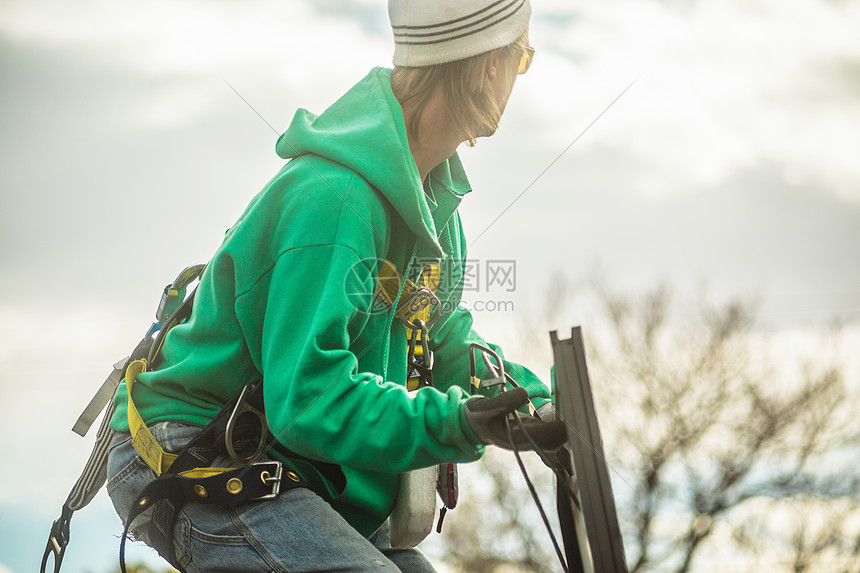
[(289, 296)]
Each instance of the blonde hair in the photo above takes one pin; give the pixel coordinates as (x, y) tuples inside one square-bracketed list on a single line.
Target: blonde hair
[(464, 83)]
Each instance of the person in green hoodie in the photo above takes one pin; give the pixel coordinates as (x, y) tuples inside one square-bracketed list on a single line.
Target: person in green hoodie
[(292, 296)]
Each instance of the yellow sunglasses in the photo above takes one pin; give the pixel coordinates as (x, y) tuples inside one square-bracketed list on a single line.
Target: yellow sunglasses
[(525, 59)]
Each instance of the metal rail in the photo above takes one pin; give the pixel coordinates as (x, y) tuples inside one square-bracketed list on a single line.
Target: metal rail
[(590, 530)]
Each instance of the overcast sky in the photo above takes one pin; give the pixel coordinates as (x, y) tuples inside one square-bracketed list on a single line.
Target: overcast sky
[(125, 155)]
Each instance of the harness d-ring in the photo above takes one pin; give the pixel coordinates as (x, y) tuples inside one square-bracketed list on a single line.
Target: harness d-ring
[(242, 407)]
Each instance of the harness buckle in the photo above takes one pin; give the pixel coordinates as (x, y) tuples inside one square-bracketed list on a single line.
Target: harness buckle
[(58, 539), (417, 301), (272, 477)]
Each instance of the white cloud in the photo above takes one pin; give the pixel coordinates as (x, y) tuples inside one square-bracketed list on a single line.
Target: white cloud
[(184, 47), (724, 85), (190, 37)]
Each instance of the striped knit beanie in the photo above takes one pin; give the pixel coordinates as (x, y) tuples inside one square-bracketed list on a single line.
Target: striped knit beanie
[(429, 32)]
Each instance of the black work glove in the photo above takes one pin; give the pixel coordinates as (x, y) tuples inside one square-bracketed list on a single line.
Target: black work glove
[(486, 417)]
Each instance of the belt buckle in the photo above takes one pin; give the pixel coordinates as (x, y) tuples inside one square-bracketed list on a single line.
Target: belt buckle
[(270, 477)]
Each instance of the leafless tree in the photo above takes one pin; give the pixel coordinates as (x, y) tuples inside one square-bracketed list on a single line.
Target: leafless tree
[(497, 527), (718, 442)]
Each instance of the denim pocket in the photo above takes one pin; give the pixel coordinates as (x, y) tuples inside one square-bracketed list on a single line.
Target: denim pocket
[(173, 436), (218, 540), (128, 474)]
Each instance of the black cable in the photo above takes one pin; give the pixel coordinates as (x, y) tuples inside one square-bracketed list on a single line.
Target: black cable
[(559, 471), (553, 465), (533, 492)]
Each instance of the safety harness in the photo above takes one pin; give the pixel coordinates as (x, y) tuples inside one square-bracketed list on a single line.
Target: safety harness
[(187, 477), (238, 430)]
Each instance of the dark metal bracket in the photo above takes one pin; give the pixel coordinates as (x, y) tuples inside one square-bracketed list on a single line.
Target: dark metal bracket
[(589, 523)]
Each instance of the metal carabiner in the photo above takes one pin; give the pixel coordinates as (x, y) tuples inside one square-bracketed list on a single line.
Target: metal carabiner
[(423, 366), (497, 370), (173, 296), (508, 378)]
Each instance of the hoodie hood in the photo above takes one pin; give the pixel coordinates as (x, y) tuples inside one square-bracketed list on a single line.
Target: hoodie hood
[(364, 131)]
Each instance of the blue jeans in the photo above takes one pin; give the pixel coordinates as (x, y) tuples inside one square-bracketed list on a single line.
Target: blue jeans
[(296, 532)]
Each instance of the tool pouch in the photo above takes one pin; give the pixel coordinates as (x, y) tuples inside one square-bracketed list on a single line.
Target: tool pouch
[(414, 508)]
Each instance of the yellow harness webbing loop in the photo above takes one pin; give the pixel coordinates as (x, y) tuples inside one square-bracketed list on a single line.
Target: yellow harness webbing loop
[(141, 438), (199, 473), (389, 280), (388, 283)]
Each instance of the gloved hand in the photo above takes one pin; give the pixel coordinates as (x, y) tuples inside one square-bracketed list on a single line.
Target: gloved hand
[(486, 417)]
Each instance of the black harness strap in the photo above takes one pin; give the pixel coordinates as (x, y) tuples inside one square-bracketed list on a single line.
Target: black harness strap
[(190, 478)]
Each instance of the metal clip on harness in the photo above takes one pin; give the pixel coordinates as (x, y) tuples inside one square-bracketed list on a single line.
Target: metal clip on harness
[(497, 370), (58, 540), (173, 297), (420, 363), (415, 303)]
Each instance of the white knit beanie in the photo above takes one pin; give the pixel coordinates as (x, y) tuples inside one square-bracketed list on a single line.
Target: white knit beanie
[(429, 32)]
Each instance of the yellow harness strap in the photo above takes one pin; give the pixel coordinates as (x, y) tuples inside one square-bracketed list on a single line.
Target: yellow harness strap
[(389, 281), (388, 285), (141, 438), (198, 473)]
